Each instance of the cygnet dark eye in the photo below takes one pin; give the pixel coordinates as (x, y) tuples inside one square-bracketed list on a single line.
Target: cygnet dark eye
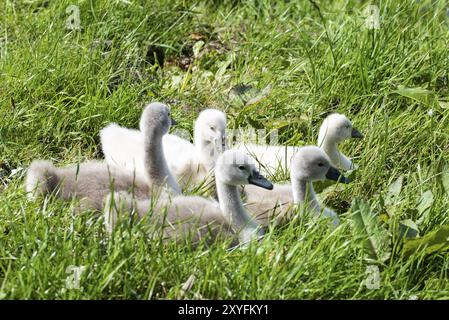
[(320, 164), (212, 128), (242, 167)]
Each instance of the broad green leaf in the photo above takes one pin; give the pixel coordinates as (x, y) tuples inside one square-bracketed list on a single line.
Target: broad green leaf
[(278, 123), (265, 92), (243, 93), (197, 48), (248, 97), (437, 240), (393, 191), (376, 239), (419, 94), (176, 81), (408, 229), (425, 202), (253, 123), (222, 67)]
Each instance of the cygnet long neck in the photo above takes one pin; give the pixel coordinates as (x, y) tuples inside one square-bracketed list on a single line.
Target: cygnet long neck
[(304, 194), (232, 207), (156, 166)]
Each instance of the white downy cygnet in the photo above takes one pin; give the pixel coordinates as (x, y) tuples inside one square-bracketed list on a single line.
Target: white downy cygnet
[(92, 181), (194, 216), (335, 129), (309, 164), (189, 163)]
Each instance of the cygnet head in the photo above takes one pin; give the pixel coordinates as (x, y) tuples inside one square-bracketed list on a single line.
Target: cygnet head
[(311, 163), (156, 116), (210, 127), (235, 168), (336, 128)]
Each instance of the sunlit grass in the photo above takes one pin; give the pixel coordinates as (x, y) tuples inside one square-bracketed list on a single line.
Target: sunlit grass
[(60, 87)]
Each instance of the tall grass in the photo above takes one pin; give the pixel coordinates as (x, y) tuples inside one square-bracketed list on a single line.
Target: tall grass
[(60, 87)]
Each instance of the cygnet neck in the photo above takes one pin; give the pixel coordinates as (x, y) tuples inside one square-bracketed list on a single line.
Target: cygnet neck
[(304, 194), (232, 207), (156, 166)]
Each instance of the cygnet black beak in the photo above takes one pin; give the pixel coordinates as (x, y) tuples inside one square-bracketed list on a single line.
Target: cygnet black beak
[(334, 174), (356, 134), (259, 180)]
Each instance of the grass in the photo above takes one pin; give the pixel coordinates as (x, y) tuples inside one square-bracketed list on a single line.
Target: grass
[(60, 87)]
